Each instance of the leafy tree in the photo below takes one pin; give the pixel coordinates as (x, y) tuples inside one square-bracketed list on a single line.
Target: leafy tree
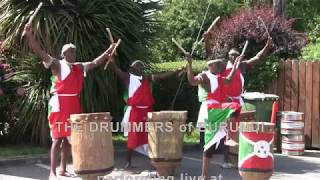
[(182, 19), (307, 14)]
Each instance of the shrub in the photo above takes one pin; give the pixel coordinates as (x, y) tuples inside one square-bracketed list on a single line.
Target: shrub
[(164, 91), (197, 65), (244, 25), (259, 78), (7, 97)]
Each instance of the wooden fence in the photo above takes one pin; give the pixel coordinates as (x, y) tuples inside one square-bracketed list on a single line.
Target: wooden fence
[(298, 86)]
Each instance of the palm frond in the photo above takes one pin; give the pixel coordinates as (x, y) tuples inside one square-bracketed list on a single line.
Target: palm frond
[(83, 23)]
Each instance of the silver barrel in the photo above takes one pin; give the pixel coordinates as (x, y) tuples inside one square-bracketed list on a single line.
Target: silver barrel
[(292, 130)]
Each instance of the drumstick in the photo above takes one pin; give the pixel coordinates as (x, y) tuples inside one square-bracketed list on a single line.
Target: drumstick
[(112, 52), (264, 26), (33, 15), (244, 48), (110, 35), (116, 46), (179, 46), (211, 26)]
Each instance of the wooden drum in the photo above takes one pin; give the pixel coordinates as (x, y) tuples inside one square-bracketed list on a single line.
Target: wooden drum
[(256, 150), (91, 143), (165, 140)]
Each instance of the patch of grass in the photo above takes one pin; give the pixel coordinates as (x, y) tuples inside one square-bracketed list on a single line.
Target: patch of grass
[(119, 141), (21, 150), (192, 137), (119, 138)]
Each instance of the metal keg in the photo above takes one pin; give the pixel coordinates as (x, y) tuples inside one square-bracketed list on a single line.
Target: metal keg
[(292, 123), (293, 145), (292, 130)]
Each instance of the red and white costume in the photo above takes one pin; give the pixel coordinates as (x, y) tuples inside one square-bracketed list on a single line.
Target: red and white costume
[(140, 102), (65, 99), (235, 88)]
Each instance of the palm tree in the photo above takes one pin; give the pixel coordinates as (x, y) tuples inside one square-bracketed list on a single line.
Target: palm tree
[(83, 23)]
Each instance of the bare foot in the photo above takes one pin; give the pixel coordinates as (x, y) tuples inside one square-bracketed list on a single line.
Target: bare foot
[(52, 176), (66, 174), (231, 142)]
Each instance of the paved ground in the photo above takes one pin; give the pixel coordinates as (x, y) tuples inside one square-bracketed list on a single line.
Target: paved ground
[(291, 168)]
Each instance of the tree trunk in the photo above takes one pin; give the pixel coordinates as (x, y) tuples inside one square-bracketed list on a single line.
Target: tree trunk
[(279, 7)]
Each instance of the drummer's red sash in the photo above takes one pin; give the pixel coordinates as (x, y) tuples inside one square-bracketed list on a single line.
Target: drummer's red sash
[(141, 103), (67, 92), (234, 90), (255, 151), (235, 87)]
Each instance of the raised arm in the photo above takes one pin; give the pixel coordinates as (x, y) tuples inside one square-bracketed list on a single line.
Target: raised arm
[(99, 60), (48, 61), (260, 55), (124, 76), (191, 78), (235, 66)]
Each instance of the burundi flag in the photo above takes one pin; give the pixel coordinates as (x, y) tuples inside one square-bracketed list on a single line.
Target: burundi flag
[(215, 125), (256, 151)]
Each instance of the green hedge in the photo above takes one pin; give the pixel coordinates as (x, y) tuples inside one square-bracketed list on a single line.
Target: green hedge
[(165, 91), (259, 78), (197, 65)]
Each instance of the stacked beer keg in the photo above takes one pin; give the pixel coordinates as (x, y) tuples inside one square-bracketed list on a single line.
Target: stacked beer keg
[(292, 132)]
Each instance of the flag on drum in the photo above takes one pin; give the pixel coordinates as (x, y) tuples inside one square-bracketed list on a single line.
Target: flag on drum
[(255, 151), (215, 125)]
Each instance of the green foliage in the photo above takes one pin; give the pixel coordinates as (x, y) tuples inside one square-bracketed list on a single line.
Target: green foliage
[(164, 91), (181, 19), (311, 51), (307, 13), (7, 109), (259, 78), (33, 107), (197, 66), (21, 150), (192, 137), (83, 23)]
